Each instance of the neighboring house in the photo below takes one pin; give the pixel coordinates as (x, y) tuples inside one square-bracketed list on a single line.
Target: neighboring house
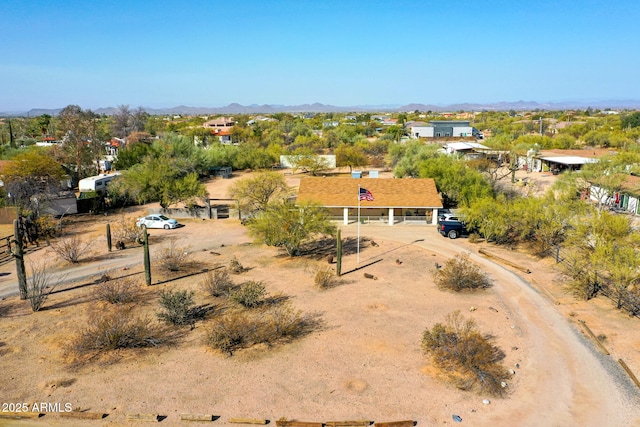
[(220, 123), (557, 161), (627, 199), (443, 129), (392, 198), (465, 149)]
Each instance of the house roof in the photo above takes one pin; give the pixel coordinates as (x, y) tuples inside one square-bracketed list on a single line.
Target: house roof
[(631, 184), (387, 192), (569, 160), (593, 153), (461, 146)]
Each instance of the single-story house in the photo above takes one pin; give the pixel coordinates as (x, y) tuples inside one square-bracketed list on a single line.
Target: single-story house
[(560, 160), (442, 129), (409, 197)]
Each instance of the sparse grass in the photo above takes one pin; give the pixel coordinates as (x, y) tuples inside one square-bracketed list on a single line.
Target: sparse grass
[(119, 291), (468, 357), (217, 283), (460, 274), (115, 329), (250, 294), (71, 249)]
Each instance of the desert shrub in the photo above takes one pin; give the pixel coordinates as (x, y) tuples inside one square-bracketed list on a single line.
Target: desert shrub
[(283, 321), (467, 356), (242, 329), (325, 277), (474, 238), (459, 274), (236, 267), (40, 284), (249, 294), (173, 257), (71, 249), (117, 329), (119, 291), (178, 307), (47, 227), (232, 331), (217, 283), (126, 230)]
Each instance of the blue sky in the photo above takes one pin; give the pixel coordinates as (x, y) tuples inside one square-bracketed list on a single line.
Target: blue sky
[(211, 53)]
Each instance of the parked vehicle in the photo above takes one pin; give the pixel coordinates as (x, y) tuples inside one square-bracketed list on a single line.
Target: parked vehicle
[(96, 183), (452, 228), (157, 221)]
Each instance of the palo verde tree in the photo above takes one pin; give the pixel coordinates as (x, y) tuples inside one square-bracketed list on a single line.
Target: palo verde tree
[(32, 178), (285, 225), (256, 192)]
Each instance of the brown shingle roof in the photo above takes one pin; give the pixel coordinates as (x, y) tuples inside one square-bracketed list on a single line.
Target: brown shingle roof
[(387, 192)]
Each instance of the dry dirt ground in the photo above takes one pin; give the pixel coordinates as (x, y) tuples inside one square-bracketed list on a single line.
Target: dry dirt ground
[(363, 363)]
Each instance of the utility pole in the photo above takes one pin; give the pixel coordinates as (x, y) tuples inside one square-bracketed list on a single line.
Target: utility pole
[(540, 126)]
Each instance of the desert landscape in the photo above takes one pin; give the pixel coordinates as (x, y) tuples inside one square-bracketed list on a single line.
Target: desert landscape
[(362, 361)]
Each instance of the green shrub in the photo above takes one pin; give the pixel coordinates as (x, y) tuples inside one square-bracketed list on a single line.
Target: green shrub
[(459, 274), (250, 294), (178, 307), (465, 355)]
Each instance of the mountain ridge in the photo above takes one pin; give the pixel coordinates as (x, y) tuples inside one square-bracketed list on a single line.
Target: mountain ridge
[(235, 108)]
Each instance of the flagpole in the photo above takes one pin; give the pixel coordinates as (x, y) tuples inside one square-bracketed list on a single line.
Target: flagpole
[(358, 245)]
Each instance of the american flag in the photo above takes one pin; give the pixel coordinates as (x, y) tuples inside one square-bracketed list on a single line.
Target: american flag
[(365, 195)]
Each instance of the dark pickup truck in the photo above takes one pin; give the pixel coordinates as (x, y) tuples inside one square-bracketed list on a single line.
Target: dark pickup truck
[(452, 228)]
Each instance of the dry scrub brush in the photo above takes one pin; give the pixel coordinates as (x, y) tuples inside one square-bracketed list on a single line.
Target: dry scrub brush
[(40, 284), (173, 257), (119, 291), (71, 249), (126, 230), (241, 329), (118, 328), (468, 357), (459, 274), (325, 278), (217, 283)]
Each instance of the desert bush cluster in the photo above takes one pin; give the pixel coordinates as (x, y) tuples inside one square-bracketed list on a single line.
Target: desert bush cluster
[(250, 294), (119, 291), (245, 328), (217, 283), (117, 328), (460, 274), (468, 357), (173, 257), (178, 307), (126, 230)]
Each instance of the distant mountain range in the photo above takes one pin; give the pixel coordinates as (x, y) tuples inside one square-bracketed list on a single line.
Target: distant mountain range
[(323, 108)]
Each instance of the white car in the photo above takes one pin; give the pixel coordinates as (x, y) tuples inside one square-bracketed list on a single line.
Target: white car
[(157, 221)]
